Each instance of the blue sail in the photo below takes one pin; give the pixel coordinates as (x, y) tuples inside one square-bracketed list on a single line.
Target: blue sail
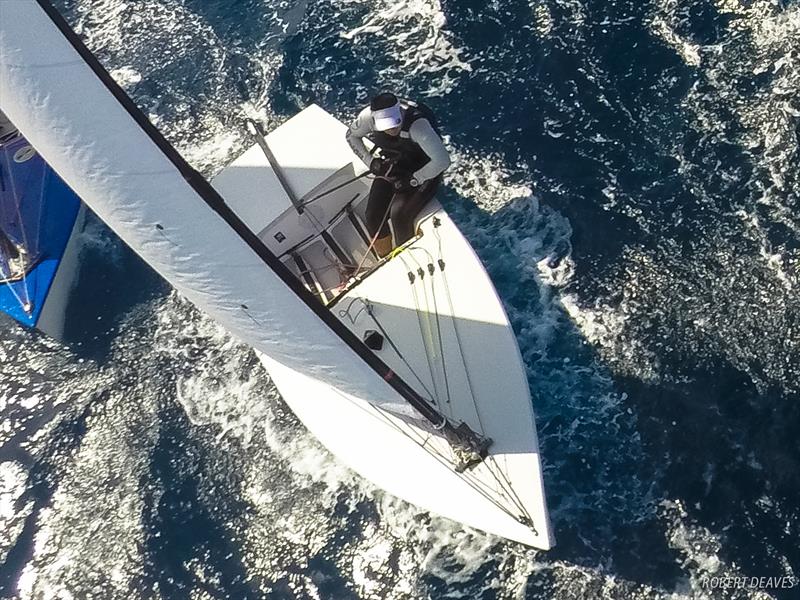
[(38, 216)]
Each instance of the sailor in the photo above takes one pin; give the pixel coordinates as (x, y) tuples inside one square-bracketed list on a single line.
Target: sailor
[(408, 160), (12, 255)]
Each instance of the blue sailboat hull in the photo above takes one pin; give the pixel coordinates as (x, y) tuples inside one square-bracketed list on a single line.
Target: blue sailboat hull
[(39, 212)]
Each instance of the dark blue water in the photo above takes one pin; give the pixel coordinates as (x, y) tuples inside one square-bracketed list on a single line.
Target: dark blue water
[(628, 173)]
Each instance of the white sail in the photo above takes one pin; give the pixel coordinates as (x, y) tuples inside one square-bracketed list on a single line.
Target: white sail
[(72, 116)]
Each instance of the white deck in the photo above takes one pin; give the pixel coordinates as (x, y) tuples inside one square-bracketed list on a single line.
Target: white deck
[(447, 336)]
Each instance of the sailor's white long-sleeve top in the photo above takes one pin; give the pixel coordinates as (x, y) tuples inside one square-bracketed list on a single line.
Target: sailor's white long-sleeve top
[(420, 132)]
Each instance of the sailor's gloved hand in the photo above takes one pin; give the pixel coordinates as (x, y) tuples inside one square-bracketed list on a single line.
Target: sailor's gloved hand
[(380, 166)]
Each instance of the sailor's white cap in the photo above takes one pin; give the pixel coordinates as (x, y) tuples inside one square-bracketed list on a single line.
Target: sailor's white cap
[(387, 118)]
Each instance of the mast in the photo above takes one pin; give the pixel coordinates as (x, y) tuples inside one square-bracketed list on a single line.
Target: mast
[(259, 135), (172, 255)]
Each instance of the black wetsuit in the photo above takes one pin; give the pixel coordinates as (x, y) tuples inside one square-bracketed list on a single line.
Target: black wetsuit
[(400, 206)]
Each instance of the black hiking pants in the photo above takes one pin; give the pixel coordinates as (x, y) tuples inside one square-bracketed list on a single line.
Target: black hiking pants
[(403, 207)]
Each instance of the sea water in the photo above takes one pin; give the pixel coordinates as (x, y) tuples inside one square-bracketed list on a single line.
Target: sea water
[(627, 171)]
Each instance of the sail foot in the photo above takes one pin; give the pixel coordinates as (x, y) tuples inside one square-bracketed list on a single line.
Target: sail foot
[(469, 447)]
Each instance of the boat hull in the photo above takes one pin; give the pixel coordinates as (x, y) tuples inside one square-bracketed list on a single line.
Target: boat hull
[(41, 213), (396, 456), (52, 318), (440, 326)]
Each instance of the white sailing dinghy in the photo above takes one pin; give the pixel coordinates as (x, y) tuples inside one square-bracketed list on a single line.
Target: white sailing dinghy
[(406, 368)]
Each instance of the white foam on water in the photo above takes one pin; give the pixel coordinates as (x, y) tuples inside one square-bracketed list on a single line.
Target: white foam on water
[(418, 42), (409, 546), (222, 385), (154, 38), (662, 24), (214, 384), (701, 554), (290, 483), (732, 292), (569, 31), (762, 39), (89, 539), (542, 18), (126, 76), (606, 327), (13, 479), (484, 179), (783, 266), (766, 37)]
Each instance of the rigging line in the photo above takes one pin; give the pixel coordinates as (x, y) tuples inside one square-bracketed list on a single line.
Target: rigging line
[(516, 497), (501, 492), (512, 494), (336, 263), (476, 484), (506, 489), (17, 201), (432, 449), (422, 332), (371, 314), (441, 264), (346, 270), (8, 279), (466, 475), (46, 174), (473, 481), (345, 312), (328, 251), (420, 274), (485, 490), (427, 340), (10, 284), (322, 269), (375, 236), (431, 271), (367, 307), (315, 222)]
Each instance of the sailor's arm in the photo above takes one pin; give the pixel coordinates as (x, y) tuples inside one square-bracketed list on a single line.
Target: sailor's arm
[(430, 142), (355, 135)]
